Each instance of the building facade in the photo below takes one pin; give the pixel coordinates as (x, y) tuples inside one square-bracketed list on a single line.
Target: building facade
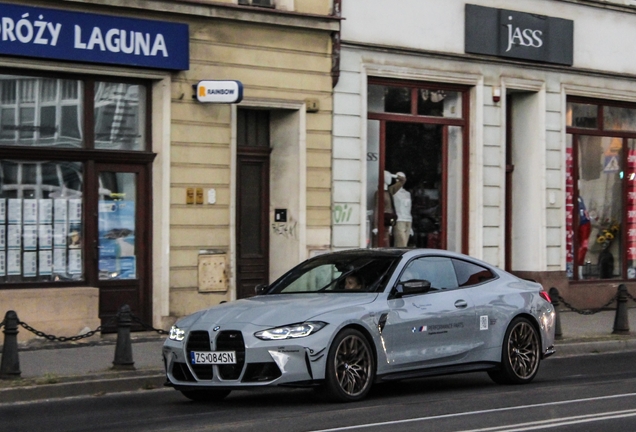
[(507, 129), (121, 186)]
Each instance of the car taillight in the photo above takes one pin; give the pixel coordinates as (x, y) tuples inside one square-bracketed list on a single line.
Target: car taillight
[(545, 296)]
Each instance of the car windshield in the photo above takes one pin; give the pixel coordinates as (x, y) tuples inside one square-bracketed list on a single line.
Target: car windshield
[(336, 273)]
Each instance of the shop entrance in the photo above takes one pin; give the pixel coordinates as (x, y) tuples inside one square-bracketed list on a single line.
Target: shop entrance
[(416, 160), (122, 271)]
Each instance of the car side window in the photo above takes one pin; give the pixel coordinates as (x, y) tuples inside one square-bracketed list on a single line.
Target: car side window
[(471, 274), (439, 271)]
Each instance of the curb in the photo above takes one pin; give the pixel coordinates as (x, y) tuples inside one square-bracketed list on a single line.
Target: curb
[(84, 386), (571, 349)]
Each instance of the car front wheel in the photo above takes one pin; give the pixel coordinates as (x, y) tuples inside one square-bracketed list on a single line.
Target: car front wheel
[(205, 395), (520, 354), (350, 367)]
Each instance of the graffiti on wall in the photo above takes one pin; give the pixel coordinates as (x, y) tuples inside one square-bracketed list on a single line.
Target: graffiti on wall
[(285, 229), (342, 213)]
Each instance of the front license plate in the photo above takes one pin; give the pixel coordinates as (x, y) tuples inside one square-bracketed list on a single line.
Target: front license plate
[(213, 357)]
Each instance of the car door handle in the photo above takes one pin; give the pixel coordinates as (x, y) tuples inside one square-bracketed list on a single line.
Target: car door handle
[(461, 304)]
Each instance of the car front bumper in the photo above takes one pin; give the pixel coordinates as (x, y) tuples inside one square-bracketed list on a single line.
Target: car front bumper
[(293, 362)]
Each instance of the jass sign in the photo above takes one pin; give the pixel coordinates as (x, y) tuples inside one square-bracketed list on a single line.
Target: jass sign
[(520, 35)]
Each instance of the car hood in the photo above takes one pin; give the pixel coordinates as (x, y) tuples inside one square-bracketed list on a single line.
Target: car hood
[(281, 309)]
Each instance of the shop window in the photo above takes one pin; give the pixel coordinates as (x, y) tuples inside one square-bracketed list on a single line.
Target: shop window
[(41, 223), (601, 193), (260, 3), (57, 210), (416, 166), (433, 102), (119, 116), (40, 112)]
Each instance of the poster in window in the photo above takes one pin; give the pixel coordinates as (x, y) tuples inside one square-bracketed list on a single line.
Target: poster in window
[(75, 261), (30, 264), (117, 258), (14, 236), (75, 235), (60, 210), (59, 235), (45, 260), (3, 268), (30, 237), (75, 210), (46, 236), (30, 212), (14, 266), (15, 211), (3, 210), (3, 237), (45, 210), (59, 260)]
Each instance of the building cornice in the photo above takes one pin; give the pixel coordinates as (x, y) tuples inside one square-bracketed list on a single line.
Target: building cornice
[(475, 58), (603, 4), (203, 9)]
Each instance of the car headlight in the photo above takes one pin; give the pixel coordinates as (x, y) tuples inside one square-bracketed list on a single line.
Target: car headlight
[(291, 331), (176, 334)]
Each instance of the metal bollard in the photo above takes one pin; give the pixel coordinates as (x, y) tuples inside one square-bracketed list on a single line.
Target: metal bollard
[(621, 320), (123, 350), (10, 367), (554, 298)]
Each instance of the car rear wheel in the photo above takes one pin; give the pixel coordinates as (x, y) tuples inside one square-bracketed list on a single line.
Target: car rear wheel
[(520, 356), (350, 367), (205, 395)]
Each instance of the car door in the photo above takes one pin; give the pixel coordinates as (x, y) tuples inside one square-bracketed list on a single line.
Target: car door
[(438, 326)]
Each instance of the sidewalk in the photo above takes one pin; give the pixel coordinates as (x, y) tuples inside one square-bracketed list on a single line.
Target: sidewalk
[(54, 370)]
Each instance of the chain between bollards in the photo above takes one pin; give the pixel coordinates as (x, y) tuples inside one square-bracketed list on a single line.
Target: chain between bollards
[(10, 366)]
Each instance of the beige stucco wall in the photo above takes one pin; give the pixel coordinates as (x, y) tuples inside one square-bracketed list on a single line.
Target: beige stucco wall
[(277, 65), (55, 311)]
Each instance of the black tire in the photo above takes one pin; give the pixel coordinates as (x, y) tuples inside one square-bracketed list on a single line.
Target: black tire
[(520, 354), (350, 367), (205, 395)]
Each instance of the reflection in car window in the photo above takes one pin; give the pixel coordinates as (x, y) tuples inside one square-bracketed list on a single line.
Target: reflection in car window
[(471, 274), (438, 271), (328, 274)]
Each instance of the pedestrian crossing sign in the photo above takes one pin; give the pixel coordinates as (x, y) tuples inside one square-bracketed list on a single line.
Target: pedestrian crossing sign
[(611, 164)]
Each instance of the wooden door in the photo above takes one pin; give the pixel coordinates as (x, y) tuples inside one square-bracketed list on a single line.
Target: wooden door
[(253, 217)]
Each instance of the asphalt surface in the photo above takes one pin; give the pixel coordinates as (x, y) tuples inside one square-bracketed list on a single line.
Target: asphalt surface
[(56, 370)]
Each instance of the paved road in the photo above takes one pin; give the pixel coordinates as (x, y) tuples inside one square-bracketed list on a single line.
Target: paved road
[(587, 393)]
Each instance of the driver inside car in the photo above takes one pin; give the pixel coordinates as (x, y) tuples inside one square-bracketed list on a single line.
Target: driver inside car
[(353, 282)]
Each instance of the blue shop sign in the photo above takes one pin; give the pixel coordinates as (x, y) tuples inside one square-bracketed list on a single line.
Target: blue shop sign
[(84, 37)]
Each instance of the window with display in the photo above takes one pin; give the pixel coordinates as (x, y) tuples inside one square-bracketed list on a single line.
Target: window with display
[(417, 160), (74, 158), (600, 190)]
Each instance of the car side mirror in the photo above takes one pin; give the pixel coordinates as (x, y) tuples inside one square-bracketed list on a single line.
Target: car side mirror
[(260, 289), (413, 286)]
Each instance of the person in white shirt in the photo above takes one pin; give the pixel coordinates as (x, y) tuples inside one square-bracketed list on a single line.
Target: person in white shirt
[(402, 201)]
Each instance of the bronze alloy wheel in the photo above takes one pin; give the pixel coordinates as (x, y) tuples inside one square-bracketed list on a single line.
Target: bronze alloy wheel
[(520, 354), (523, 349), (350, 367)]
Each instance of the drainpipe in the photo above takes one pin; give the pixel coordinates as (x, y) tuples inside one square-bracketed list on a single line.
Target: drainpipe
[(335, 45)]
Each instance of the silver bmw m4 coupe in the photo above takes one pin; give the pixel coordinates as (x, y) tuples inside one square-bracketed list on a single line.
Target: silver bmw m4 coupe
[(342, 321)]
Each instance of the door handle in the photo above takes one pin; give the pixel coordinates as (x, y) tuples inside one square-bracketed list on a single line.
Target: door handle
[(461, 304)]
